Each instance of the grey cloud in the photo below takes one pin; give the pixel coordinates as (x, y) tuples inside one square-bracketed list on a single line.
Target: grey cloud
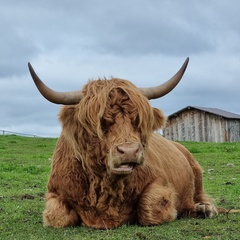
[(70, 41), (15, 52)]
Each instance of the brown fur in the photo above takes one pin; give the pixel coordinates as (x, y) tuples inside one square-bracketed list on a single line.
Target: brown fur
[(83, 188)]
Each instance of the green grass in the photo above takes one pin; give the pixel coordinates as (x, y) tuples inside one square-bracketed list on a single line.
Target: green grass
[(24, 170)]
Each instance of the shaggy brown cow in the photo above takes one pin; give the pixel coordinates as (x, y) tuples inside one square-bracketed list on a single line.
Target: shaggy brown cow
[(109, 168)]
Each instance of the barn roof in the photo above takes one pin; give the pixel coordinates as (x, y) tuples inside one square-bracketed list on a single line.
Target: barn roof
[(215, 111)]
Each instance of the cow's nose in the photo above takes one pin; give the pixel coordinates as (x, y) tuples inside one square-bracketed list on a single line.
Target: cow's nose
[(128, 151)]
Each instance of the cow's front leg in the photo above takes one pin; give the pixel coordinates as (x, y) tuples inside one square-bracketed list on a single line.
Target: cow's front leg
[(157, 205), (59, 213)]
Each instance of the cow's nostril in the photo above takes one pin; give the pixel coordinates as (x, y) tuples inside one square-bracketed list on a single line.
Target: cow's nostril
[(120, 149)]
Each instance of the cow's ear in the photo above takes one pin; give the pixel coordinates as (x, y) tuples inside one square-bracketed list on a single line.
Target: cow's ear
[(66, 115), (159, 119)]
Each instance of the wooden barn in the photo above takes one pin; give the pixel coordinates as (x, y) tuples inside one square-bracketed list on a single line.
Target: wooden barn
[(201, 124)]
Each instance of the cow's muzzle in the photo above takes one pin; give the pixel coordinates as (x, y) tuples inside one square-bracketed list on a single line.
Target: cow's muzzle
[(125, 157)]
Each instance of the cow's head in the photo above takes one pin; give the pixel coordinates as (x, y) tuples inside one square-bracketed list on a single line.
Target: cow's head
[(108, 122)]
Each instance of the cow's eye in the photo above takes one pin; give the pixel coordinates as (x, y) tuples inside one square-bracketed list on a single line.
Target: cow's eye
[(135, 122), (105, 125)]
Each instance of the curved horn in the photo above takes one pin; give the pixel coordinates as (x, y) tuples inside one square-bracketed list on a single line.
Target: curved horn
[(165, 88), (66, 98)]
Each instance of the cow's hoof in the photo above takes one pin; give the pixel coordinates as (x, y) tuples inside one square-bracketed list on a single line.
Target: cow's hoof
[(205, 210)]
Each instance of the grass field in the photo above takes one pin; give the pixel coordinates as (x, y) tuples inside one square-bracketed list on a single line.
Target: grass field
[(24, 170)]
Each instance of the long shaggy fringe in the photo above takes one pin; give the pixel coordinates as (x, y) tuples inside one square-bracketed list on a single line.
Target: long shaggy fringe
[(84, 124)]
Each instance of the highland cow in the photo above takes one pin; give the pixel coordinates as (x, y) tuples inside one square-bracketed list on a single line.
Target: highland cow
[(109, 167)]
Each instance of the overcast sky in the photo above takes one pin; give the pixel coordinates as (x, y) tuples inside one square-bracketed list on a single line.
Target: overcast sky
[(69, 42)]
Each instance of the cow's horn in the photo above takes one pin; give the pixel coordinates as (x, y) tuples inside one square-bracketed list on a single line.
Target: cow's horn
[(165, 88), (66, 98)]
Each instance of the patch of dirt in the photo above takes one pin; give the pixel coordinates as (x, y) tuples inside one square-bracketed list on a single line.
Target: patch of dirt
[(27, 196)]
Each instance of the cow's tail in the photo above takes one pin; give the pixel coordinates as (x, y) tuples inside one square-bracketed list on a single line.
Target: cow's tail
[(223, 210)]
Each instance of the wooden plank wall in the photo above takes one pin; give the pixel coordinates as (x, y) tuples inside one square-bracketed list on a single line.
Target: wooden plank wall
[(200, 126), (233, 129)]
